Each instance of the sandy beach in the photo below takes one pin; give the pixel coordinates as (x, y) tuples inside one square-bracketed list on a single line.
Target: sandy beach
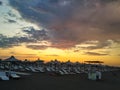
[(45, 81)]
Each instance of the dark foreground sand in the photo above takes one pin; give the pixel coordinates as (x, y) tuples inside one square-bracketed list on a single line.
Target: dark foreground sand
[(39, 81)]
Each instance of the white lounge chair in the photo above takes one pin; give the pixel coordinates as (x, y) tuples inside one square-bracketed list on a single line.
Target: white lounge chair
[(65, 71), (48, 69), (14, 75), (41, 69), (61, 72), (32, 69), (3, 75)]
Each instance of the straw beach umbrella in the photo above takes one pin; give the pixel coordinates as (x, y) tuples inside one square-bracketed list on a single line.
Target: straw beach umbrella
[(11, 61)]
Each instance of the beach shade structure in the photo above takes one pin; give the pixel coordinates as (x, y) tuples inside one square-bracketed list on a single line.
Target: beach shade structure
[(39, 62), (11, 59), (69, 63), (0, 60), (53, 63), (94, 62)]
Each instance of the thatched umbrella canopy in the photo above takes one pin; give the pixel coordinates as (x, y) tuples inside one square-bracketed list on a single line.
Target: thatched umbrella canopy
[(94, 62), (12, 60), (39, 61)]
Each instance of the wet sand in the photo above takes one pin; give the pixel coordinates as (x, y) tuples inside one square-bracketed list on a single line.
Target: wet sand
[(45, 81)]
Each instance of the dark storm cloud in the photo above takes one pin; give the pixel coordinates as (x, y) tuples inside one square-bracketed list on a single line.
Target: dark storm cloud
[(11, 14), (99, 45), (95, 54), (36, 34), (6, 42), (0, 2), (73, 21), (11, 21), (61, 45), (32, 36)]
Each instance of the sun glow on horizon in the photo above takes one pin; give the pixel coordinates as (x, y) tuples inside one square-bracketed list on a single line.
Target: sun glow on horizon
[(49, 54), (74, 30)]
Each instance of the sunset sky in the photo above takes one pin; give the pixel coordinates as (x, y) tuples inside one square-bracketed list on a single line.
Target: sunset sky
[(75, 30)]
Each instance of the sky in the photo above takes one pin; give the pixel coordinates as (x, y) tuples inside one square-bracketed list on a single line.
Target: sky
[(75, 30)]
